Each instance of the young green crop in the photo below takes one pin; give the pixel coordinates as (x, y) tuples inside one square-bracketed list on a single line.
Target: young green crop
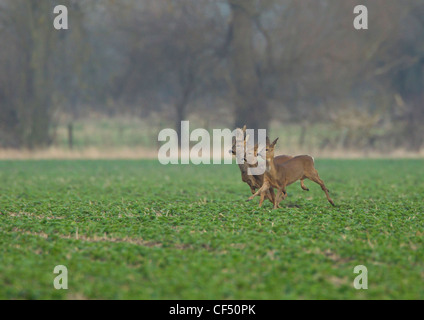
[(140, 230)]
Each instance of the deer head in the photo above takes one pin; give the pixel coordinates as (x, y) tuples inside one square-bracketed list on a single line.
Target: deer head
[(267, 153), (239, 141)]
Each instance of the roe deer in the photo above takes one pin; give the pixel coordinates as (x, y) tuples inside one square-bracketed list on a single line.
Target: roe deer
[(281, 175), (256, 181)]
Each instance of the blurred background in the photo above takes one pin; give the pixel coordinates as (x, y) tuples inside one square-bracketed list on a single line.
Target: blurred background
[(124, 70)]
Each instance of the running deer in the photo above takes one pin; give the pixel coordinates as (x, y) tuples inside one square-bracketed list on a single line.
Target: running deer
[(281, 175), (256, 181)]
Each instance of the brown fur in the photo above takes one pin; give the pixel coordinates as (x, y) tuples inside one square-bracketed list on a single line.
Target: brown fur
[(280, 176), (256, 181)]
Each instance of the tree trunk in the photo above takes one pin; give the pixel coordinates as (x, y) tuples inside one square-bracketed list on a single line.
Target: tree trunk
[(180, 115), (302, 136), (249, 98), (70, 135)]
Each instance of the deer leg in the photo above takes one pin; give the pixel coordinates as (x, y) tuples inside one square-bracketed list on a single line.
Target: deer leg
[(268, 194), (284, 194), (264, 188), (281, 194), (272, 199), (315, 178), (262, 198), (302, 184), (254, 195), (277, 199), (271, 195)]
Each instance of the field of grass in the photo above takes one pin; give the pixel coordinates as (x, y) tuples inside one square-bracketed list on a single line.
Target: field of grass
[(117, 132), (140, 230)]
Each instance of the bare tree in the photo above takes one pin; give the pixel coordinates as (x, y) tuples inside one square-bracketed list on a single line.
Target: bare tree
[(249, 98), (31, 41), (171, 53)]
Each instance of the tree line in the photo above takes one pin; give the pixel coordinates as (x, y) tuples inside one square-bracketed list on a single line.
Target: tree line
[(253, 61)]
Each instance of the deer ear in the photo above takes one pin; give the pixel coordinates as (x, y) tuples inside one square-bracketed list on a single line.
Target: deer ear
[(244, 128), (274, 142), (267, 141)]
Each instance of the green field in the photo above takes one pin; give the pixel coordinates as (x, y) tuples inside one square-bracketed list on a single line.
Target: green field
[(140, 230)]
